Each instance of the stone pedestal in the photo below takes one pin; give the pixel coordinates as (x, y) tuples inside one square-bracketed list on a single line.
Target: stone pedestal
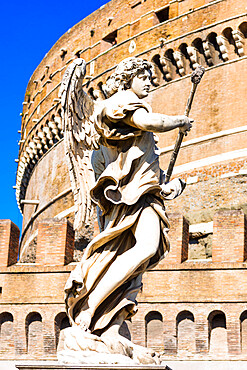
[(56, 366)]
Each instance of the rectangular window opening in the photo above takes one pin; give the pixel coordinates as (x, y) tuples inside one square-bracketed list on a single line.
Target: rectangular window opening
[(163, 14), (111, 38), (1, 290)]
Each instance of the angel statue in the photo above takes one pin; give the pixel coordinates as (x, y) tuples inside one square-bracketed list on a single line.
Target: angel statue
[(114, 139)]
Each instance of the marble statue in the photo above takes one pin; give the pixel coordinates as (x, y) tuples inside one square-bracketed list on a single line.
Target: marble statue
[(114, 141)]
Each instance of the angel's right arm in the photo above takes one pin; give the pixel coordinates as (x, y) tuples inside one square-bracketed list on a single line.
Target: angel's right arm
[(156, 122)]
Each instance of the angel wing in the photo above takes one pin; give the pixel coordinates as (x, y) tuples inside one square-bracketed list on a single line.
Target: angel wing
[(80, 138)]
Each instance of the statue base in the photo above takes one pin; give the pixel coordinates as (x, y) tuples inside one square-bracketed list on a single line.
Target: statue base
[(82, 347), (56, 366)]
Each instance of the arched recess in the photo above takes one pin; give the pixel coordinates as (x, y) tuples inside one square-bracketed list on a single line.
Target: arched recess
[(214, 48), (217, 333), (231, 46), (243, 36), (198, 45), (102, 94), (185, 332), (158, 74), (34, 334), (6, 333), (48, 133), (61, 322), (243, 331), (91, 93), (186, 58), (171, 63), (154, 330), (243, 28)]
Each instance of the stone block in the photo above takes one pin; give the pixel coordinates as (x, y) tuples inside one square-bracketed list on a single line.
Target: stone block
[(179, 239), (56, 366), (55, 244), (229, 236), (9, 242)]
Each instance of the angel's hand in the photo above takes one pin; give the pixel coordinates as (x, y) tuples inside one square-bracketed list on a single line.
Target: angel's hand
[(173, 188), (185, 124)]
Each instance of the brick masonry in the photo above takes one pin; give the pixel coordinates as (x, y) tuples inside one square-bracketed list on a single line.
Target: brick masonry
[(217, 106), (55, 245), (229, 226), (179, 239), (186, 310), (9, 243)]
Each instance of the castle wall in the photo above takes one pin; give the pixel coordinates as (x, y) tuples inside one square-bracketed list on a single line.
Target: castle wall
[(176, 36), (50, 184), (187, 309), (193, 304)]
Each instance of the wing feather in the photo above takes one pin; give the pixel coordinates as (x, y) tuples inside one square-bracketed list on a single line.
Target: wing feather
[(80, 138)]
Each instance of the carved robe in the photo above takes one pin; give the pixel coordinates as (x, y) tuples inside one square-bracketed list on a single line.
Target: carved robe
[(128, 179)]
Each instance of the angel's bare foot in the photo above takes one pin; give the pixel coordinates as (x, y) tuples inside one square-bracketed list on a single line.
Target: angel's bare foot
[(84, 320)]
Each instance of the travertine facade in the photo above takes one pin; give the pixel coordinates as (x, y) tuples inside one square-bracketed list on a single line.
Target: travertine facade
[(187, 309), (206, 300), (176, 36)]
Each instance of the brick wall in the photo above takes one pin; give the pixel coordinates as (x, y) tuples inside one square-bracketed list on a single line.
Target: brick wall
[(221, 111), (229, 240), (179, 298), (9, 242), (55, 245), (179, 239), (185, 309)]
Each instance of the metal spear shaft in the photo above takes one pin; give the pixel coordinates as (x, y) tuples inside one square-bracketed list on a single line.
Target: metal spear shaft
[(195, 79)]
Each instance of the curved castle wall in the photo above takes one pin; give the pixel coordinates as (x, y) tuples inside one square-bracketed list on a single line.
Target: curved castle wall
[(176, 36), (193, 304)]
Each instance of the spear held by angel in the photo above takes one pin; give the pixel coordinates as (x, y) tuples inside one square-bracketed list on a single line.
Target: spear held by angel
[(128, 188)]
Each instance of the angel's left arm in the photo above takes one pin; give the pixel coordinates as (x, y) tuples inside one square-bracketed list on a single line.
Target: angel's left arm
[(156, 122)]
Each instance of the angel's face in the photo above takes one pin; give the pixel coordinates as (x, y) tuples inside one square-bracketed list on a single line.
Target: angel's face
[(141, 84)]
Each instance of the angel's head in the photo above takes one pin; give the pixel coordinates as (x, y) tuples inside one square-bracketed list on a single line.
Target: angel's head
[(131, 73)]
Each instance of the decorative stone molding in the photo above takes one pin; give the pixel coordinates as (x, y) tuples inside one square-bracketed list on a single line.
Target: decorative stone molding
[(179, 59), (45, 136), (222, 42), (165, 65), (239, 42), (207, 47), (192, 51)]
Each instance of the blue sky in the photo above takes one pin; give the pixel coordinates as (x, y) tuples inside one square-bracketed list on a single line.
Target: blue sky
[(29, 29)]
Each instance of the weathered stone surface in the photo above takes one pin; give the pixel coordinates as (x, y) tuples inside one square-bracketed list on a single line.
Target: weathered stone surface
[(201, 30), (57, 366), (42, 109), (129, 189)]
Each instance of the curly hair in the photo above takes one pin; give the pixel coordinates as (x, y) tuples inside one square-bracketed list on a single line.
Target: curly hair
[(125, 71)]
